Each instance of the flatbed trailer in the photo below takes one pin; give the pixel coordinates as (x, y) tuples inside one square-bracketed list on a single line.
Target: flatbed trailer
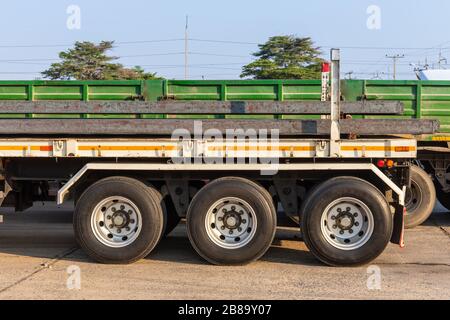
[(133, 173)]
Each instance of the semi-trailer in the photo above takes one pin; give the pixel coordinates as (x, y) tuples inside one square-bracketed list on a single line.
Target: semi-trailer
[(135, 159)]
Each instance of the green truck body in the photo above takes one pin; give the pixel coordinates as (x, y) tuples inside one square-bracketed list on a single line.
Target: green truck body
[(421, 99)]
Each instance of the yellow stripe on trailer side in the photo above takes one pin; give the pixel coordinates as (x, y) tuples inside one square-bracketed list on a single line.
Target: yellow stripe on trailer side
[(166, 148)]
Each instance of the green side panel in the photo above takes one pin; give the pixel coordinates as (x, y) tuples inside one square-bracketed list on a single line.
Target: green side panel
[(235, 90), (238, 90), (50, 92), (71, 90), (153, 90), (13, 92), (422, 99), (302, 91), (252, 92), (114, 93)]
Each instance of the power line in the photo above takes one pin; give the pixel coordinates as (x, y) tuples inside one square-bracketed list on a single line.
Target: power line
[(224, 41)]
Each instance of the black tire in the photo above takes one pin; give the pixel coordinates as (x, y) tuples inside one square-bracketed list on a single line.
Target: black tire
[(256, 197), (145, 199), (332, 190), (420, 198)]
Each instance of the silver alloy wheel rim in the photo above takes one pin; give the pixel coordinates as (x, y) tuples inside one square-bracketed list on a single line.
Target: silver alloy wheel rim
[(413, 197), (347, 224), (116, 222), (231, 223)]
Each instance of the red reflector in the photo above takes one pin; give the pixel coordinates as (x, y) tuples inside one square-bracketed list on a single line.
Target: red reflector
[(381, 163), (326, 67)]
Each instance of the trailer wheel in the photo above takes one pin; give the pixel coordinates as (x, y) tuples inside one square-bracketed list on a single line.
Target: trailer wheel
[(346, 221), (231, 221), (118, 220), (420, 198)]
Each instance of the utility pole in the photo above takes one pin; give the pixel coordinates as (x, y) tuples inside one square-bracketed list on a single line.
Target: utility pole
[(395, 58), (186, 48)]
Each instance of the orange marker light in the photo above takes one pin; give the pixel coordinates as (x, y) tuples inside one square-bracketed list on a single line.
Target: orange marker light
[(390, 163)]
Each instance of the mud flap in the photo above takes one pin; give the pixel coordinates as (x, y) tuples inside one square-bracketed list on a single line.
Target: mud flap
[(399, 226)]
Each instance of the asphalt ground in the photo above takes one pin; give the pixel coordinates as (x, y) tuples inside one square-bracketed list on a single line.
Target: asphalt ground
[(39, 259)]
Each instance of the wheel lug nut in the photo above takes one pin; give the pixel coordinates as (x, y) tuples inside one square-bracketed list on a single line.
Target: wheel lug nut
[(222, 227), (119, 231), (127, 228), (130, 212), (334, 226), (355, 214), (341, 232), (132, 221), (351, 231), (244, 221), (339, 210), (122, 207), (224, 210), (348, 209), (233, 208), (220, 218), (111, 226), (108, 217), (231, 232), (356, 223), (113, 209), (333, 217), (241, 212), (239, 229)]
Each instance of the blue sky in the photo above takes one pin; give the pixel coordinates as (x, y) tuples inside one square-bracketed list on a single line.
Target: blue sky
[(407, 27)]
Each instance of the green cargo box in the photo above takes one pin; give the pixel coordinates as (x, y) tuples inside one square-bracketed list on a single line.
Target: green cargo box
[(422, 99), (154, 90)]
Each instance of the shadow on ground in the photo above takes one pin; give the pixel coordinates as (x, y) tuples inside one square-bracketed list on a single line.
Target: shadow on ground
[(46, 232)]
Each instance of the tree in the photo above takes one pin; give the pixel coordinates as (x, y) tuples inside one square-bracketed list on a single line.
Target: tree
[(89, 61), (285, 57), (135, 73)]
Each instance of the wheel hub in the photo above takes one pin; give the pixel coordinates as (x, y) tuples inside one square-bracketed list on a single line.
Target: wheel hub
[(116, 222), (232, 220), (413, 197), (230, 223), (120, 219), (347, 223)]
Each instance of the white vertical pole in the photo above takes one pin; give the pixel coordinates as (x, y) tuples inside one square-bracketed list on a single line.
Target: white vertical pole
[(186, 48), (335, 132)]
